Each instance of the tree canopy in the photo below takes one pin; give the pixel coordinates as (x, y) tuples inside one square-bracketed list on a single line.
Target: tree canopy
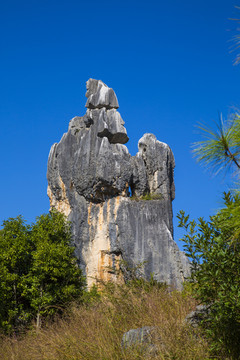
[(39, 273)]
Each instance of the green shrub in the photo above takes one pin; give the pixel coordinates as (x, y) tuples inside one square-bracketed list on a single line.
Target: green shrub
[(39, 274), (214, 248)]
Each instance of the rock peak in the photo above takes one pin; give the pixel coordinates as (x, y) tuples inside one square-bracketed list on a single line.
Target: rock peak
[(91, 176), (100, 95)]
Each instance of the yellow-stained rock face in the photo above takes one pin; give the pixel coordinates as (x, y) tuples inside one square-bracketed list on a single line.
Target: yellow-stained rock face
[(102, 264), (109, 267), (61, 205)]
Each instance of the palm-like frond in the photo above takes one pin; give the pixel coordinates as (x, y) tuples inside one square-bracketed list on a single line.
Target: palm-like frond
[(236, 47), (221, 149), (236, 40)]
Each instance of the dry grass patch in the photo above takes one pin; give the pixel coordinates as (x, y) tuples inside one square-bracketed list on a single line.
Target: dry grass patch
[(94, 331)]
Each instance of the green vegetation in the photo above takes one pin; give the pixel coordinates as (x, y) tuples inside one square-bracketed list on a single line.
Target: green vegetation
[(221, 148), (148, 196), (214, 248), (38, 271)]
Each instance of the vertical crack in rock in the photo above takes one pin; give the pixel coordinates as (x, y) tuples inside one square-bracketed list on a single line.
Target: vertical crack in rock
[(89, 174)]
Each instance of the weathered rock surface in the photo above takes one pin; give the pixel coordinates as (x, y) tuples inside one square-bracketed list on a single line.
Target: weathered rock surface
[(100, 95), (146, 339), (91, 176)]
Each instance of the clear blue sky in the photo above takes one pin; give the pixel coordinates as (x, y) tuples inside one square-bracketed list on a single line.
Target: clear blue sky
[(169, 63)]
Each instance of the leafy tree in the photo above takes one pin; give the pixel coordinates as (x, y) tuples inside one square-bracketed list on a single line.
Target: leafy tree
[(55, 277), (39, 273), (214, 249), (214, 246), (15, 261)]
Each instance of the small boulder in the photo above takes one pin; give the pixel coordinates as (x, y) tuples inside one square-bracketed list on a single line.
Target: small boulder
[(195, 317), (144, 339)]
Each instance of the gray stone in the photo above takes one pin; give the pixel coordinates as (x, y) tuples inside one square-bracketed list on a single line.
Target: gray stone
[(111, 125), (90, 177), (159, 163), (195, 317), (100, 95), (145, 339)]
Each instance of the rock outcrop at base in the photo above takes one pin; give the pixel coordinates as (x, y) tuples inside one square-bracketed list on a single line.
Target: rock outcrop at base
[(120, 205)]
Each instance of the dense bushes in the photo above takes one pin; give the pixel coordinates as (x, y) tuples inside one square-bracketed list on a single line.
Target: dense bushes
[(214, 249), (38, 271)]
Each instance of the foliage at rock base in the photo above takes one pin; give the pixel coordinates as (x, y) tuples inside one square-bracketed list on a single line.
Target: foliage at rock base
[(39, 274), (214, 248)]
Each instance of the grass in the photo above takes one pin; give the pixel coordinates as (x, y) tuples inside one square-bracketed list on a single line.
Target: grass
[(147, 196), (93, 331)]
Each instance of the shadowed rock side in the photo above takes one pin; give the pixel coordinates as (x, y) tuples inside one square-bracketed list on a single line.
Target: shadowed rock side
[(91, 176)]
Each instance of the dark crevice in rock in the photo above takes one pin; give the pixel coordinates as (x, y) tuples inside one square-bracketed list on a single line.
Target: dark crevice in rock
[(88, 121), (117, 138), (116, 252)]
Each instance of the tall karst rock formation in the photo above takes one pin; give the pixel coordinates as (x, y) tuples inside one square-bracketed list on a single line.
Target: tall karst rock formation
[(103, 189)]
